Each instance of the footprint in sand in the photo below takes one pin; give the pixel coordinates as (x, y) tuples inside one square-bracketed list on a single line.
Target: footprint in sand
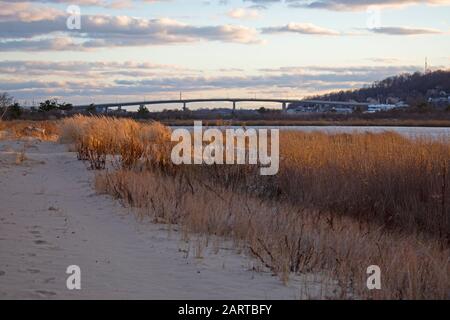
[(46, 245), (40, 242), (33, 271), (48, 280), (45, 294), (36, 234)]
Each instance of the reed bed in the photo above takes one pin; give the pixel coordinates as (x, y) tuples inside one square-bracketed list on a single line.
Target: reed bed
[(384, 178), (339, 203), (290, 239), (96, 138), (43, 130)]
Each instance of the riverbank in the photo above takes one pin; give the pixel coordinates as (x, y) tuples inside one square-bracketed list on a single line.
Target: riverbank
[(318, 123)]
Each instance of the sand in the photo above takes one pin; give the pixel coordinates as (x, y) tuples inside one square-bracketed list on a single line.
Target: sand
[(51, 218)]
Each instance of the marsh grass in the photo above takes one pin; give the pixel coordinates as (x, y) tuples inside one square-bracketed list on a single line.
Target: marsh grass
[(42, 130), (394, 181), (339, 203), (289, 239), (96, 138)]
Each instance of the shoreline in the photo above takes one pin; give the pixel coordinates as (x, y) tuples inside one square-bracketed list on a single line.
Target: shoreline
[(282, 123)]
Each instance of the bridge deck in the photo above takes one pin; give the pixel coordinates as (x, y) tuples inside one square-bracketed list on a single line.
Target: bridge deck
[(232, 100)]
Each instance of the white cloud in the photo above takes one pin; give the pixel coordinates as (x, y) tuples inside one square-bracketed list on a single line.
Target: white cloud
[(302, 28), (405, 31), (50, 33), (353, 5), (244, 13)]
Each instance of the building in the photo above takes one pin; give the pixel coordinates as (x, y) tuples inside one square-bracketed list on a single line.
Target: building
[(342, 110), (372, 108)]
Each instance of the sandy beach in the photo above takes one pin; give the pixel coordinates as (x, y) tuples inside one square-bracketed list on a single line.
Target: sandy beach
[(51, 218)]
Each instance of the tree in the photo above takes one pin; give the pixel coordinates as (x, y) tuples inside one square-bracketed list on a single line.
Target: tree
[(5, 102), (14, 111), (423, 107), (91, 109), (358, 110), (65, 106), (143, 111), (262, 110), (416, 86), (48, 105)]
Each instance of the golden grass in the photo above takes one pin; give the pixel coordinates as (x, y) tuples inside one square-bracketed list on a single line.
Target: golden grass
[(339, 203), (97, 137), (43, 130), (290, 239), (384, 178)]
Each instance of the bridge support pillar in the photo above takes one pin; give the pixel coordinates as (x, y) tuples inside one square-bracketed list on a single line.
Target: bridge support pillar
[(234, 106), (184, 106), (284, 107)]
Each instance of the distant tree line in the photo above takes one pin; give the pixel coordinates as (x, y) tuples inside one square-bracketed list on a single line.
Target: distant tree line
[(49, 105), (11, 109), (413, 88)]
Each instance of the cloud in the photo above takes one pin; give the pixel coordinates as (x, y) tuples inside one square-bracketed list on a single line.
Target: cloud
[(302, 28), (51, 33), (25, 11), (244, 13), (351, 5), (87, 69), (111, 4), (404, 31)]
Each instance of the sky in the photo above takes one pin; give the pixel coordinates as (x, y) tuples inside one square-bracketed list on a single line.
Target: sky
[(97, 51)]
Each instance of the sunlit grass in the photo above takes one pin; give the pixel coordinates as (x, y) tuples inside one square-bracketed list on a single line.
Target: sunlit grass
[(339, 203)]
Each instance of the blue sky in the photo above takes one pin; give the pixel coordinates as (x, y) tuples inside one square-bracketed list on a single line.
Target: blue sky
[(128, 50)]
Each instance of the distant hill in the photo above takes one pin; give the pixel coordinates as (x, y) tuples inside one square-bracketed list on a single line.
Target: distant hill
[(411, 88)]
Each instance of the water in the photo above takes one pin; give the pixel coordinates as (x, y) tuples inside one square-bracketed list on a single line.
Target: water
[(410, 132)]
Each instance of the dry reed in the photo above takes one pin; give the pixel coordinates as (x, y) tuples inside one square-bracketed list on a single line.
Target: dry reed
[(339, 203), (290, 239)]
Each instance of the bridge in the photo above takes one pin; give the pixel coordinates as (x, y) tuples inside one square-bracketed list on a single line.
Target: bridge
[(234, 101)]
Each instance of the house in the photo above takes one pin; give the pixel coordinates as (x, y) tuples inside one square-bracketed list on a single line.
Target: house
[(380, 107), (344, 110), (401, 104)]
